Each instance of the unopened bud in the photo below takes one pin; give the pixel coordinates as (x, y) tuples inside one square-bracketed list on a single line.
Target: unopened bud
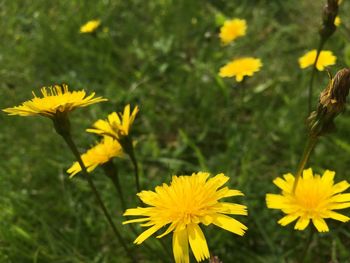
[(331, 104), (330, 12)]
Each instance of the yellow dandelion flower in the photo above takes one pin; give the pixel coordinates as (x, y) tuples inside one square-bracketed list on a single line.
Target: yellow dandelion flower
[(232, 29), (101, 153), (116, 125), (55, 100), (314, 199), (337, 21), (184, 204), (90, 26), (326, 58), (240, 67)]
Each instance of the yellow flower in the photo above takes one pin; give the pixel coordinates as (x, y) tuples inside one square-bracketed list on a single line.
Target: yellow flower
[(326, 58), (240, 67), (232, 29), (314, 199), (101, 153), (90, 26), (117, 125), (184, 204), (337, 21), (55, 100)]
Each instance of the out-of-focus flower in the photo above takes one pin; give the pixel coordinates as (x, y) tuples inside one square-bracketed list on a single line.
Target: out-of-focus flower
[(55, 100), (326, 58), (314, 199), (337, 21), (116, 125), (232, 29), (184, 204), (100, 154), (90, 26), (240, 67)]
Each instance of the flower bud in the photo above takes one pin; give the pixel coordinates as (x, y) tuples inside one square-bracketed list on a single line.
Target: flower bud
[(330, 12), (331, 104)]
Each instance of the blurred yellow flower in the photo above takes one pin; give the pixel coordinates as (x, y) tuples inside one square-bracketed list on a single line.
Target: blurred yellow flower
[(232, 29), (56, 99), (90, 26), (116, 125), (240, 67), (314, 199), (101, 153), (326, 58), (337, 21), (184, 204)]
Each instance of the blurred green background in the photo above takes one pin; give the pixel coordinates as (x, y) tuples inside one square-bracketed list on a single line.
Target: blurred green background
[(164, 56)]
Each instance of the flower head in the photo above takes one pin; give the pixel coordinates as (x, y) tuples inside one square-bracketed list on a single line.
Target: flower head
[(241, 67), (232, 29), (90, 26), (100, 154), (55, 100), (337, 21), (314, 199), (116, 125), (326, 58), (184, 204)]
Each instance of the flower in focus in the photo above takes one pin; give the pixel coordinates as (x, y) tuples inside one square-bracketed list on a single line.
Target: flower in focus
[(232, 29), (241, 67), (314, 199), (326, 58), (184, 204), (337, 21), (101, 153), (55, 100), (90, 26), (116, 125)]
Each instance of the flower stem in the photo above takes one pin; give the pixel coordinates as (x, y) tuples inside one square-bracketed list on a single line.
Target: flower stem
[(112, 172), (314, 69), (310, 145), (68, 139)]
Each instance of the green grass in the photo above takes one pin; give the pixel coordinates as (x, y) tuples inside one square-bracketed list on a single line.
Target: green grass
[(164, 56)]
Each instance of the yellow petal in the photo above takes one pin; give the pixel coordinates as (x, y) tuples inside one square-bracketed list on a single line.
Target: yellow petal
[(302, 223), (197, 242), (340, 198), (320, 224), (146, 234), (276, 201), (282, 184), (340, 187), (230, 224), (233, 209), (136, 220), (328, 176), (170, 228), (287, 219), (338, 216), (307, 174), (180, 246)]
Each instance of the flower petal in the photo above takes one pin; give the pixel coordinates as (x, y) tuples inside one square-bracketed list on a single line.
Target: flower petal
[(197, 242), (230, 224), (302, 223), (146, 234), (320, 224), (287, 219), (180, 246)]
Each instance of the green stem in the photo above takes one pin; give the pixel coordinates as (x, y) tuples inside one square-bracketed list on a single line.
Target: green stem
[(310, 145), (68, 139), (314, 69), (112, 173)]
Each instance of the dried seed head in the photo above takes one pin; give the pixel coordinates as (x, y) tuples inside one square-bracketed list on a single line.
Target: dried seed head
[(330, 12), (331, 104)]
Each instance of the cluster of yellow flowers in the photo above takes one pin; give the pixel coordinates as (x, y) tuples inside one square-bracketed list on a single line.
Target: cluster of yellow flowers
[(191, 200), (239, 67)]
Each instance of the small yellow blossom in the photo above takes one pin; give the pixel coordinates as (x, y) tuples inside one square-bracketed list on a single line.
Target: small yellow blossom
[(232, 29), (90, 26), (101, 153), (337, 21), (56, 99), (116, 125), (314, 199), (240, 67), (326, 58), (184, 204)]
